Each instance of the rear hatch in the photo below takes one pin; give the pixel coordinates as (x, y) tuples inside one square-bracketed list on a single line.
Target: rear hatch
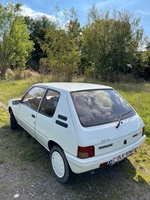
[(112, 138), (107, 121)]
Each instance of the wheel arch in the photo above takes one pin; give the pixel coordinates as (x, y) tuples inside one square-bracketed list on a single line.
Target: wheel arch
[(51, 143), (9, 109), (61, 168)]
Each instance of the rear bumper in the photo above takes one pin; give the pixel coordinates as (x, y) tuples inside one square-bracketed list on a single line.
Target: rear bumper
[(78, 165)]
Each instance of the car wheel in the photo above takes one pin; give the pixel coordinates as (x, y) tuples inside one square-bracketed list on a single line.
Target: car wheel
[(60, 166), (13, 122)]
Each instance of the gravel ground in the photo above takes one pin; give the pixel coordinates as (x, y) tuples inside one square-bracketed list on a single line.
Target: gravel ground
[(26, 174)]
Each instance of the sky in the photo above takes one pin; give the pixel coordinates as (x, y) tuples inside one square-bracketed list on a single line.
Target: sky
[(33, 8)]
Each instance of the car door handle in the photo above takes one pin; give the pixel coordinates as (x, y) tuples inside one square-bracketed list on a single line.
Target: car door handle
[(33, 116)]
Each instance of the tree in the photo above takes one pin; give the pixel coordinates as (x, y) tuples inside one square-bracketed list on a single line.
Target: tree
[(110, 41), (61, 47), (15, 45), (142, 65), (147, 52), (37, 30)]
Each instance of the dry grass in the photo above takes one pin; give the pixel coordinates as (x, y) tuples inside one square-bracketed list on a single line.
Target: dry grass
[(12, 75)]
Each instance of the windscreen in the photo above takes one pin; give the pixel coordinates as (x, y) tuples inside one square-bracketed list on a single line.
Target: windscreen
[(96, 107)]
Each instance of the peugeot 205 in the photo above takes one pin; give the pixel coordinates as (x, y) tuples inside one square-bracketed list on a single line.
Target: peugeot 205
[(83, 126)]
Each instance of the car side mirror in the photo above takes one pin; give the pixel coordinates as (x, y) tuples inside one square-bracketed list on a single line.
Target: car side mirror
[(15, 102)]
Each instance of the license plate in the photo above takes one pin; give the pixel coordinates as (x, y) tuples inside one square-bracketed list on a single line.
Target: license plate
[(121, 157)]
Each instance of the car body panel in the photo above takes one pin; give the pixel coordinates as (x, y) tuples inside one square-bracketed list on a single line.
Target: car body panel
[(26, 118), (59, 129), (79, 165), (108, 132)]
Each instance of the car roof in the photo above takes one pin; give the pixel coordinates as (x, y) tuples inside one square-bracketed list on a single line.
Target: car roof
[(72, 86)]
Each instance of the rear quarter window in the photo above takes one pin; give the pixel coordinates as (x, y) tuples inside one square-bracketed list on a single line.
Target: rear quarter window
[(49, 103)]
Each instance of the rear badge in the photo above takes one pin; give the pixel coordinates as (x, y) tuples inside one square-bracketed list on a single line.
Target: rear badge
[(105, 140), (105, 146)]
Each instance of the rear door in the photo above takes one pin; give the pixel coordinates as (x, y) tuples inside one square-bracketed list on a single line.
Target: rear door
[(28, 109)]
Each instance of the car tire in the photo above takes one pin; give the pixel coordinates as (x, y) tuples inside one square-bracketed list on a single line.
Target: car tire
[(13, 122), (60, 166)]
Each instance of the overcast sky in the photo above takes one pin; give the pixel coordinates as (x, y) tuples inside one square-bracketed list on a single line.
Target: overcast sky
[(140, 8)]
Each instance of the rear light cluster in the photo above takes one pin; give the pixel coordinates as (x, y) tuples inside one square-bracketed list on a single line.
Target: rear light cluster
[(86, 152), (143, 130)]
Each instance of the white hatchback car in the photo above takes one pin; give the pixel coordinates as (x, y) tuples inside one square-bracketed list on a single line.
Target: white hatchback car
[(84, 126)]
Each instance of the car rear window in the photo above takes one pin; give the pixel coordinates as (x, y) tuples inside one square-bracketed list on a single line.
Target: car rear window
[(96, 107)]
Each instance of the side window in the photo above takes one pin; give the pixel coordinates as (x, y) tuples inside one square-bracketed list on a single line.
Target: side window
[(33, 97), (49, 103)]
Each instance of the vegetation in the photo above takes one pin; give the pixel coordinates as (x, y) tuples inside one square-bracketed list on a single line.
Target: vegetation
[(110, 41), (15, 46), (106, 48)]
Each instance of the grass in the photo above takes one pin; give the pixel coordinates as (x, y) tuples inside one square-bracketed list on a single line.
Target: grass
[(141, 159), (4, 117), (13, 89), (22, 150), (137, 94)]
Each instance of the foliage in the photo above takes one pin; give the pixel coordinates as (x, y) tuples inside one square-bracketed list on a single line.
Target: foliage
[(110, 40), (15, 45), (62, 50), (142, 66), (106, 49), (37, 30)]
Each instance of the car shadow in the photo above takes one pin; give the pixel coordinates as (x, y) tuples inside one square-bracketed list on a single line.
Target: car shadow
[(119, 181)]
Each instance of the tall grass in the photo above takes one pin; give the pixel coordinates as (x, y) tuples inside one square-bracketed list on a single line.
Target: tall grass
[(13, 75)]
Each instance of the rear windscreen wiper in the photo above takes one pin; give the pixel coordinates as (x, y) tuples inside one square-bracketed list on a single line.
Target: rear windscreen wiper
[(120, 117)]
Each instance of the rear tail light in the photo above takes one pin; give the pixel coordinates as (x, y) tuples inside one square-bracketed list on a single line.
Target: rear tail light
[(143, 130), (86, 152)]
